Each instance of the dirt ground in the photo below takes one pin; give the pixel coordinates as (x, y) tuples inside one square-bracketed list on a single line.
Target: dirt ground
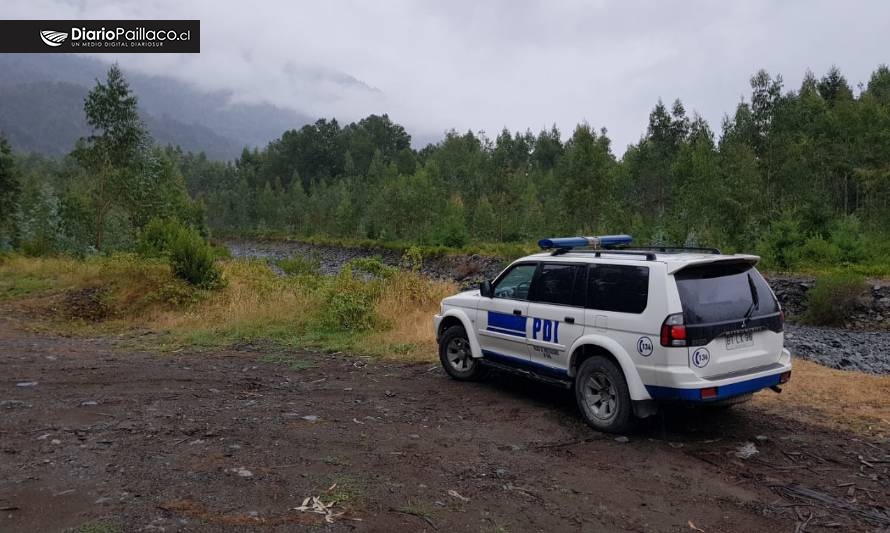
[(98, 436)]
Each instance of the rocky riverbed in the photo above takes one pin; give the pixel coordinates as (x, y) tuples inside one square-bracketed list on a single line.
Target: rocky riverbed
[(465, 269), (845, 349), (865, 348)]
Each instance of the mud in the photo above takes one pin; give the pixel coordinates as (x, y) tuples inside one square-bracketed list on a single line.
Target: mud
[(92, 431)]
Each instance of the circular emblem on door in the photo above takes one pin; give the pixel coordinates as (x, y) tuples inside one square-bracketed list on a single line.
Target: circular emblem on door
[(645, 346), (701, 357)]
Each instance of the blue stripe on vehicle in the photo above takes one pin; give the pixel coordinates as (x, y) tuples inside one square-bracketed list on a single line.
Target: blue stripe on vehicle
[(523, 362), (506, 331), (505, 321), (723, 391)]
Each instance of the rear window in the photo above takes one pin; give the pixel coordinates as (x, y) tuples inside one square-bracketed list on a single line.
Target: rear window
[(621, 288), (723, 291)]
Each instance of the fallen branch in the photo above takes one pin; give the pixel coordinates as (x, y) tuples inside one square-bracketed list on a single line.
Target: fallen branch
[(830, 502)]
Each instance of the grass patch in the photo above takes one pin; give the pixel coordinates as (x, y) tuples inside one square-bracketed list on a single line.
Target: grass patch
[(132, 284), (299, 266), (342, 490), (373, 266), (381, 316), (836, 399), (16, 287)]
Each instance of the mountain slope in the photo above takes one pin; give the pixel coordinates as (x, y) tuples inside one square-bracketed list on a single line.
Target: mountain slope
[(41, 108)]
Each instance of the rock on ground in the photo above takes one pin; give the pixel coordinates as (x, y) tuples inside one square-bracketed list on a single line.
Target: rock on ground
[(865, 351)]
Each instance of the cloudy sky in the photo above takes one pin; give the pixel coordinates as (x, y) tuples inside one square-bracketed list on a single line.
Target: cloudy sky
[(485, 65)]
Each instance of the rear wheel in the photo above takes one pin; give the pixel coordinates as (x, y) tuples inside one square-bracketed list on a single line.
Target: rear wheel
[(602, 395), (456, 356)]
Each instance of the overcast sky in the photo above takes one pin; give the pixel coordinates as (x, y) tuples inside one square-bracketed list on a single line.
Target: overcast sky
[(485, 65)]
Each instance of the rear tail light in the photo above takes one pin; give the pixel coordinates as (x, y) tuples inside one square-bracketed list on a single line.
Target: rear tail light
[(673, 332), (784, 377), (781, 319)]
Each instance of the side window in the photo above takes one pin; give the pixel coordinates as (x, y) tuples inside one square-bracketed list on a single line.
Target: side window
[(516, 283), (556, 284), (621, 288)]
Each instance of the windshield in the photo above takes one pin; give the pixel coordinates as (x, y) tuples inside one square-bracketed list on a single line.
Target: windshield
[(720, 292)]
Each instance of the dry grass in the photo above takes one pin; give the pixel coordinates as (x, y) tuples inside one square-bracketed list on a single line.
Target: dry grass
[(256, 304), (253, 302), (835, 399), (132, 285), (407, 306)]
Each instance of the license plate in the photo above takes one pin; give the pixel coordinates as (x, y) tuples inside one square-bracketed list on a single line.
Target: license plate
[(739, 339)]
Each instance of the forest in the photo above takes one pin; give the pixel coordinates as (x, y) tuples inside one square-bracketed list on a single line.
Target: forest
[(798, 175)]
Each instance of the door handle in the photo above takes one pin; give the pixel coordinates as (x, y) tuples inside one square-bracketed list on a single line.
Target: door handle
[(517, 312), (569, 320)]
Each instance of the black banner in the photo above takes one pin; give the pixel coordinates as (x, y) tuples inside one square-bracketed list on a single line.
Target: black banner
[(109, 36)]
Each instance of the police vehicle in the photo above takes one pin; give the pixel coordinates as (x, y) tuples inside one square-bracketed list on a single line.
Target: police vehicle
[(626, 327)]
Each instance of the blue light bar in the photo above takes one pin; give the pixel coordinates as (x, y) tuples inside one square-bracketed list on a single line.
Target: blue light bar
[(577, 242)]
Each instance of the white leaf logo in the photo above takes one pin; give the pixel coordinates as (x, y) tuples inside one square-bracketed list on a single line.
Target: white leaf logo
[(53, 38)]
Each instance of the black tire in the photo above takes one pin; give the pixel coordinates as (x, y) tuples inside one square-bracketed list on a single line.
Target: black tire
[(456, 358), (602, 396)]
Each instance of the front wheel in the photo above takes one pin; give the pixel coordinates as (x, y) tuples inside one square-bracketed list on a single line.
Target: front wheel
[(602, 395), (456, 356)]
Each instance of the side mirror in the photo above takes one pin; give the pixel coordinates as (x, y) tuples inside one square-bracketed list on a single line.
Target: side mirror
[(485, 289)]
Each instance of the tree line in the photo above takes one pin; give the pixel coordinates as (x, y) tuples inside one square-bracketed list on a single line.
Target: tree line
[(799, 175), (100, 196)]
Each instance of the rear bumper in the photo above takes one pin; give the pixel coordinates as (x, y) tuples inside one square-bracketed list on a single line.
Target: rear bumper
[(723, 392), (691, 389)]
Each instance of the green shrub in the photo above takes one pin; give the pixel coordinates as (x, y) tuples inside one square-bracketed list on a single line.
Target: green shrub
[(816, 251), (374, 266), (847, 236), (157, 237), (38, 247), (191, 257), (777, 245), (192, 260), (176, 293), (412, 259), (349, 303), (833, 299), (299, 265)]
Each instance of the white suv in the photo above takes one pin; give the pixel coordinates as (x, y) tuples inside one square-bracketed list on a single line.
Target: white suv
[(626, 327)]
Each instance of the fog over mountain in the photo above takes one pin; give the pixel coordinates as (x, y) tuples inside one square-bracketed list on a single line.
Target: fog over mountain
[(41, 108), (469, 65)]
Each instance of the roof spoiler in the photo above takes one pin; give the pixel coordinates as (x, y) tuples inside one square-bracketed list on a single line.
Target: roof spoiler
[(741, 261)]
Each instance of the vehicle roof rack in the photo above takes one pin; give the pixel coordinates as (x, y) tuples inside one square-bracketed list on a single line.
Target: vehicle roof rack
[(650, 256), (672, 249)]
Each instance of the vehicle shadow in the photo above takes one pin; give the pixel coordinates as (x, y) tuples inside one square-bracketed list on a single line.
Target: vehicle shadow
[(673, 422)]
